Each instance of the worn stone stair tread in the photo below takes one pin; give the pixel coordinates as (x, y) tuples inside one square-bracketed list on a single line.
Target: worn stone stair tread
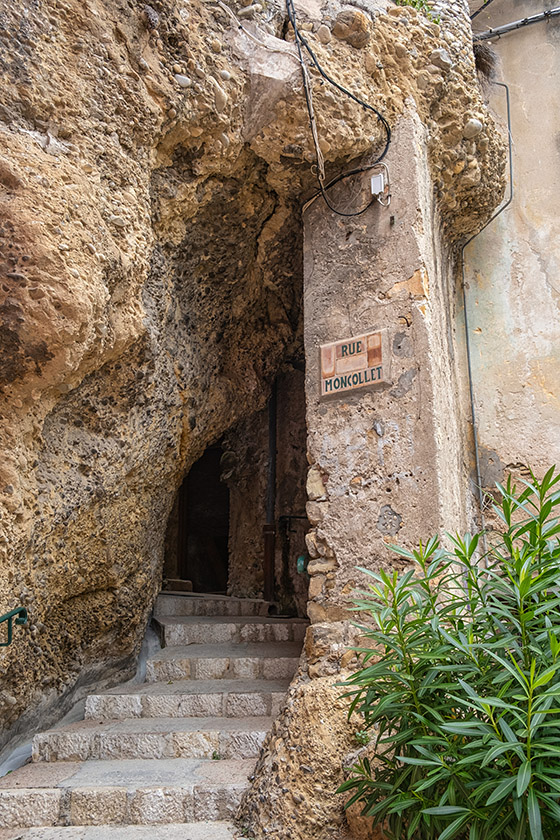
[(131, 774), (218, 629), (123, 792), (163, 724), (227, 619), (200, 687), (190, 698), (203, 596), (230, 650), (153, 738), (228, 660), (176, 831)]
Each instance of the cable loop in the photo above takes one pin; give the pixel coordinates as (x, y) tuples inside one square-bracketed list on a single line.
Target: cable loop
[(320, 165)]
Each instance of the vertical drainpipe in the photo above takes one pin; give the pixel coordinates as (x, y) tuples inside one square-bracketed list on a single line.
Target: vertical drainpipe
[(269, 529)]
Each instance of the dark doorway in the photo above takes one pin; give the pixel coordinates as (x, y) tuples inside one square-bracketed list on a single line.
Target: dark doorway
[(203, 525)]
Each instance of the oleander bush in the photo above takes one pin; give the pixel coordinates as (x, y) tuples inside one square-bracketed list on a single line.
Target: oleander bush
[(459, 685)]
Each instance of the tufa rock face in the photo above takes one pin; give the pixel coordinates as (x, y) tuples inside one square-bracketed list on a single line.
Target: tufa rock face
[(302, 765), (353, 27), (154, 160)]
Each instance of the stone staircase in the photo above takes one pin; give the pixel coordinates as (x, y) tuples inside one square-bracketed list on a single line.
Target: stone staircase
[(175, 751)]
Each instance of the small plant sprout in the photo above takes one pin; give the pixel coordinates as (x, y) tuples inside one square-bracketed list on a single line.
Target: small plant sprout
[(421, 6)]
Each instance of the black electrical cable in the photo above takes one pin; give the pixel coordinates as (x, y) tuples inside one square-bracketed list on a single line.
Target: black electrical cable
[(301, 41), (481, 9)]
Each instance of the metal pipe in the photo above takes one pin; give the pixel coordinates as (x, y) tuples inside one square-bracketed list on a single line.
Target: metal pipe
[(269, 529), (467, 338), (517, 24)]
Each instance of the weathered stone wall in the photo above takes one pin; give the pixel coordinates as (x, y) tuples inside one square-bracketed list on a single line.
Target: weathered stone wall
[(512, 268), (153, 167), (247, 459), (388, 464), (399, 475)]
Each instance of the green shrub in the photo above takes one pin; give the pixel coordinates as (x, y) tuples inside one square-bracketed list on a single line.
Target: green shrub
[(460, 679)]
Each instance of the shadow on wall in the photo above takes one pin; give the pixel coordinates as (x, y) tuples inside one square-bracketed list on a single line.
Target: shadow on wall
[(215, 531)]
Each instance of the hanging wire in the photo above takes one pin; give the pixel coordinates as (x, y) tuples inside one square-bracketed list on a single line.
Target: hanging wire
[(301, 42), (481, 9)]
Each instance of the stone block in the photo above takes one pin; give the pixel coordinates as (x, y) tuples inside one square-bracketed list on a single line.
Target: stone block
[(124, 745), (98, 806), (316, 585), (245, 668), (161, 805), (240, 744), (315, 486), (277, 704), (321, 566), (210, 669), (162, 705), (195, 744), (216, 802), (24, 808), (113, 707), (279, 669), (282, 632), (67, 746), (164, 670), (247, 705)]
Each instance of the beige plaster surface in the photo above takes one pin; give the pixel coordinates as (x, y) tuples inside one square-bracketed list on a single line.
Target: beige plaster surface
[(387, 462), (513, 267)]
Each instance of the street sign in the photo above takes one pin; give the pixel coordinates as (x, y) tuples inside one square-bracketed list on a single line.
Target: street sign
[(352, 364)]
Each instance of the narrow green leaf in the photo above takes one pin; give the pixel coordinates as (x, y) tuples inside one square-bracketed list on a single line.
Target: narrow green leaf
[(508, 731), (502, 790), (523, 778), (534, 813), (455, 827), (445, 810)]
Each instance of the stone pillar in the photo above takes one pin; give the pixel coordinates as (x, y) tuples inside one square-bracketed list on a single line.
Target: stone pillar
[(386, 463)]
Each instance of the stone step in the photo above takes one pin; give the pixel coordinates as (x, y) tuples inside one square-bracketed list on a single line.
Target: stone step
[(189, 698), (261, 660), (215, 738), (133, 792), (179, 603), (177, 831), (177, 585), (189, 630)]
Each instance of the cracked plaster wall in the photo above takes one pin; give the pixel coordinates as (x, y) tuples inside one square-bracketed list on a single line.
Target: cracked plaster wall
[(513, 267)]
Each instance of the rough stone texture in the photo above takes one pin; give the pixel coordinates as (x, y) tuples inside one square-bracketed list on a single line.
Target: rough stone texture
[(301, 767), (401, 475), (386, 465), (144, 769), (151, 279), (247, 452)]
